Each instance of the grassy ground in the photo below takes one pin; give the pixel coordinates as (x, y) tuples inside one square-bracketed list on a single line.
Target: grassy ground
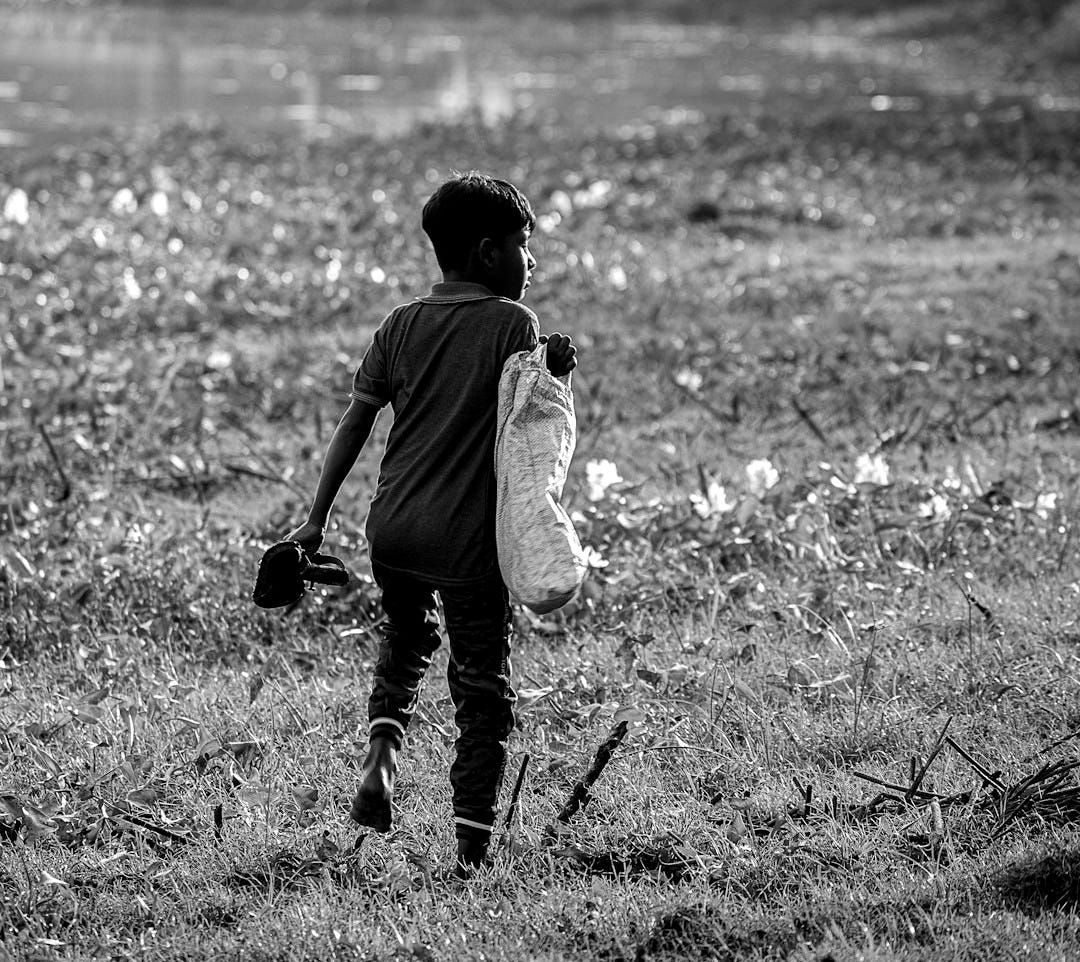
[(883, 306)]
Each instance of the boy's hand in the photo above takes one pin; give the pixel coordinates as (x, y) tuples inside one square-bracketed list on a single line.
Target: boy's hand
[(308, 535), (561, 354)]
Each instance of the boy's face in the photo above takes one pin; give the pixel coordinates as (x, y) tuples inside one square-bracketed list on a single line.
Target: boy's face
[(511, 266)]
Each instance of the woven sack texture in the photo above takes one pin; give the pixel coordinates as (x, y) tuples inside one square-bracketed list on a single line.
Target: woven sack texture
[(540, 556)]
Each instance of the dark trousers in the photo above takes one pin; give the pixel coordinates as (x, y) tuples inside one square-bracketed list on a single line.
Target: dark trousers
[(478, 625)]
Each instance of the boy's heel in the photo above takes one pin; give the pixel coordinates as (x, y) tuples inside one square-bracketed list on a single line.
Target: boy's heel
[(371, 810)]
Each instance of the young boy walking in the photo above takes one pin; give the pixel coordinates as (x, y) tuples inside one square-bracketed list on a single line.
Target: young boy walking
[(431, 527)]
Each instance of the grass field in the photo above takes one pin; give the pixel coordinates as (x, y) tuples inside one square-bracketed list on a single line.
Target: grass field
[(882, 306)]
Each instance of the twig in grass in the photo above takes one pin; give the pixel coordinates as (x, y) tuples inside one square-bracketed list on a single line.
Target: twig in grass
[(989, 408), (722, 416), (268, 466), (65, 483), (810, 422), (1053, 745), (860, 694), (980, 770), (914, 792), (511, 810), (677, 748), (580, 794), (116, 812), (807, 795), (1029, 793), (934, 752), (252, 473)]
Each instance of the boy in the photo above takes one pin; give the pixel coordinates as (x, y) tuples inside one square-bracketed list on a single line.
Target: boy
[(431, 526)]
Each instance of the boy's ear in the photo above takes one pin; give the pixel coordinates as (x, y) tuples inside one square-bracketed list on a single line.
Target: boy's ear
[(488, 252)]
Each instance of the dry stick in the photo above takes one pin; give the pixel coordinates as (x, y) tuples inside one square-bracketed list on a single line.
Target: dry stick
[(1060, 741), (992, 406), (721, 416), (1025, 795), (861, 693), (511, 810), (981, 770), (65, 484), (120, 814), (810, 422), (580, 795), (938, 745), (895, 788), (252, 473)]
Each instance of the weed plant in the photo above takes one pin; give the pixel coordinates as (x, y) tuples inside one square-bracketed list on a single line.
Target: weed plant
[(826, 471)]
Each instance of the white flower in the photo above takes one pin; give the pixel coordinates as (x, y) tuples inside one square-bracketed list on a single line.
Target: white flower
[(593, 558), (617, 278), (936, 508), (131, 286), (714, 501), (124, 202), (17, 207), (600, 475), (871, 470), (760, 476), (1045, 503), (688, 378)]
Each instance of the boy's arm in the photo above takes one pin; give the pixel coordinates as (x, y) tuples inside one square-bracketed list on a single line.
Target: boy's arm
[(352, 432)]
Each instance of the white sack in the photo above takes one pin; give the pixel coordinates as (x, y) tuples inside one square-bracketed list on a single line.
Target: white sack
[(540, 555)]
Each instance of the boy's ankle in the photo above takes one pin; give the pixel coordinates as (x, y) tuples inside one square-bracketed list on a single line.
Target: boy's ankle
[(382, 752), (472, 855)]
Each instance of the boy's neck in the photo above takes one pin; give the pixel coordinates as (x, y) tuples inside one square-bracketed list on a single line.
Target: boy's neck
[(463, 277)]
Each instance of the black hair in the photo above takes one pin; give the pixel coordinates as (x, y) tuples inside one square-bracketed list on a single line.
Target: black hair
[(468, 208)]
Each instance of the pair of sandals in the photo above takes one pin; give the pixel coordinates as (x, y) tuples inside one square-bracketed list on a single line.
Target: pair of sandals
[(285, 570)]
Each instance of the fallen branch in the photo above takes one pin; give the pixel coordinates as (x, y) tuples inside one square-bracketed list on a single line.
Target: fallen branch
[(511, 810), (580, 794), (980, 770), (934, 752), (908, 791), (810, 422), (65, 483)]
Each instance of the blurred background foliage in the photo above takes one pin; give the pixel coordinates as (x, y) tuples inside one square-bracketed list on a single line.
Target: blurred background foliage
[(1041, 12)]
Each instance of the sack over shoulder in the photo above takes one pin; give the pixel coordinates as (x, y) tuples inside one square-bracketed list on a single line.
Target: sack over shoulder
[(540, 556)]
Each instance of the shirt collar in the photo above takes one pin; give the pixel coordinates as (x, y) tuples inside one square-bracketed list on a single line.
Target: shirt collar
[(449, 292)]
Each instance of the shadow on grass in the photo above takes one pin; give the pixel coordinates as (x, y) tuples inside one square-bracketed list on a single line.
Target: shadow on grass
[(695, 933), (1044, 884)]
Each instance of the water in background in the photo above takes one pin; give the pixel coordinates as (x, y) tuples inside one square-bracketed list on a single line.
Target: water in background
[(65, 71)]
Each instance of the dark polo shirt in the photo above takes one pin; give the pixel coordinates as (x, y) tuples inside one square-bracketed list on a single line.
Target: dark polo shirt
[(436, 361)]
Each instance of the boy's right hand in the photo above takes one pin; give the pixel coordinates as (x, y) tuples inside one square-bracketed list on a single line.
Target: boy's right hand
[(561, 354), (309, 536)]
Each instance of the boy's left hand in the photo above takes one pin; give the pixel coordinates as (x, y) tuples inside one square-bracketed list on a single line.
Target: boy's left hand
[(309, 536), (561, 354)]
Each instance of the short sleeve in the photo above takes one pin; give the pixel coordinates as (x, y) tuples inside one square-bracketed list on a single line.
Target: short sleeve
[(524, 333), (371, 382)]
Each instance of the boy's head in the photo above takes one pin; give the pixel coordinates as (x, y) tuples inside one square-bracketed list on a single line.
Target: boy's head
[(480, 227)]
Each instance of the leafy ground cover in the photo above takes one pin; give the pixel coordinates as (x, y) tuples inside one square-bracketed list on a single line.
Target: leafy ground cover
[(827, 470)]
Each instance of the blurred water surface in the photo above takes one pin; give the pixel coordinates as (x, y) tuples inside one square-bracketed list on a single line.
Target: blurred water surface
[(66, 71)]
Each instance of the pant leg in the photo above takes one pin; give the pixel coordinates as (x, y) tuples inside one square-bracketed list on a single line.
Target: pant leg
[(409, 637), (479, 625)]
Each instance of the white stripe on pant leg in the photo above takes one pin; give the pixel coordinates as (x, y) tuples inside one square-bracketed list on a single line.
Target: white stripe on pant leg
[(472, 824), (393, 722)]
